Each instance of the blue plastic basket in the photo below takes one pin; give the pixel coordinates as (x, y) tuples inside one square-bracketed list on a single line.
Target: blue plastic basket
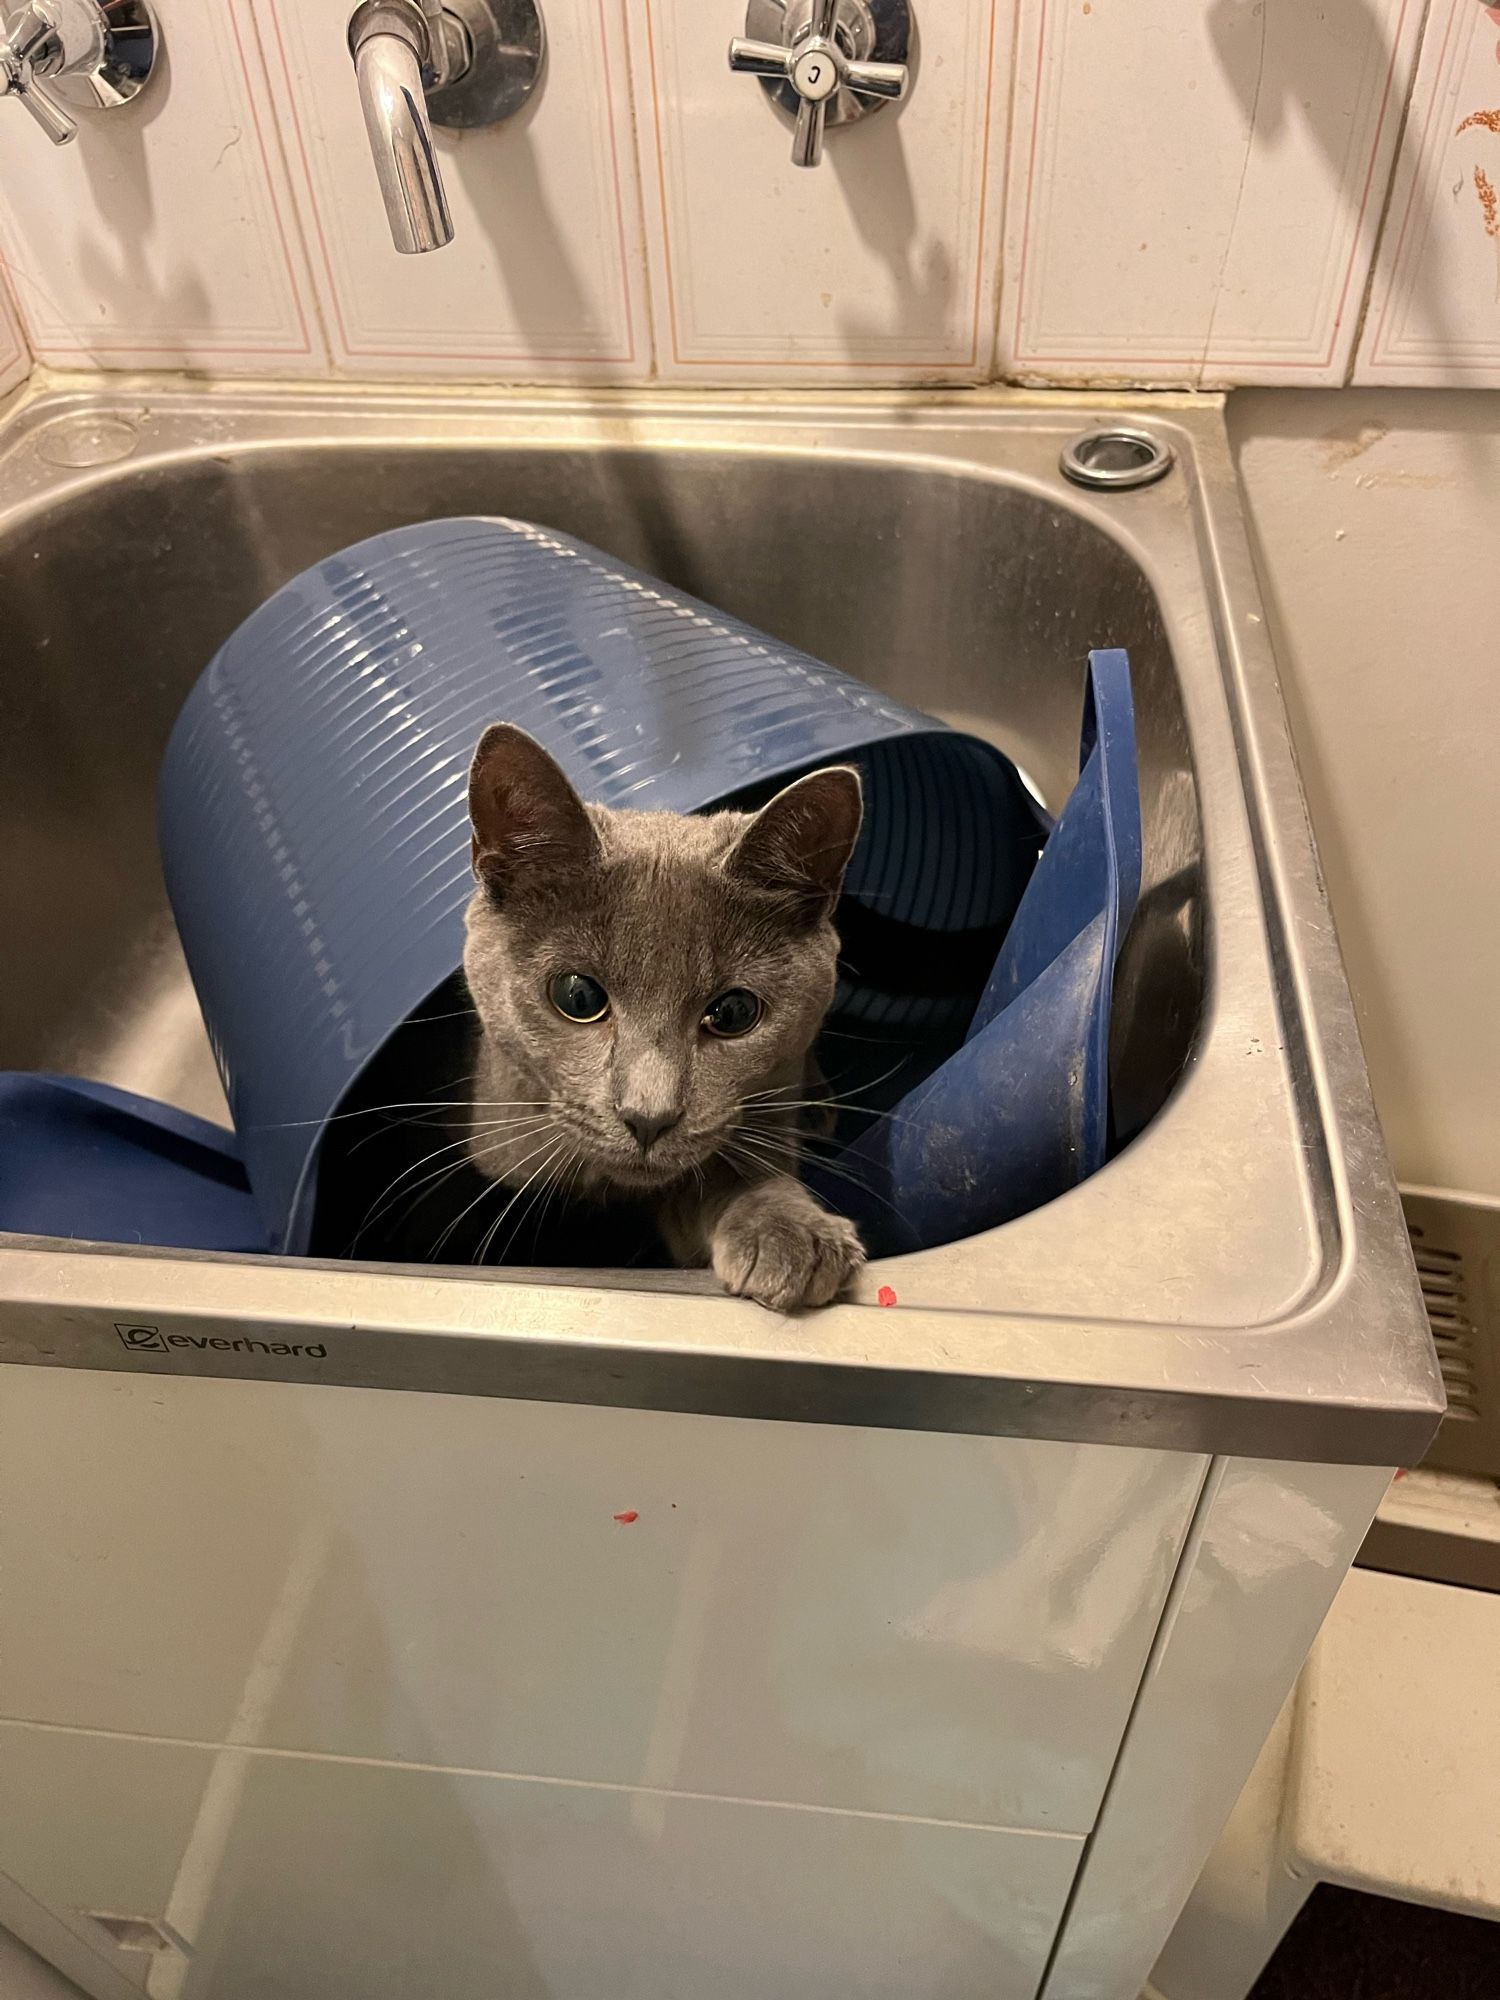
[(90, 1163), (313, 799), (1021, 1112)]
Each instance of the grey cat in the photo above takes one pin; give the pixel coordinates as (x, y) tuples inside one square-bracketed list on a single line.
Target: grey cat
[(649, 987)]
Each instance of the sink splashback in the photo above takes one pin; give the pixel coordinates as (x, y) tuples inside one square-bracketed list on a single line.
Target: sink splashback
[(1142, 194)]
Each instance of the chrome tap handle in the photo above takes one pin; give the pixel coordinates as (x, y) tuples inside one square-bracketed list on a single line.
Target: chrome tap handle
[(877, 79), (760, 58), (29, 39), (815, 66), (90, 54)]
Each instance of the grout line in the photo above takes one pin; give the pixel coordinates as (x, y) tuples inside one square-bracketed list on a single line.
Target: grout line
[(1239, 200), (996, 372), (1197, 355), (986, 157), (640, 273), (538, 1778)]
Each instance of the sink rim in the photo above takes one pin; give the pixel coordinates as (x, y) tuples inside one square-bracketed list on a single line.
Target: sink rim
[(1339, 1365)]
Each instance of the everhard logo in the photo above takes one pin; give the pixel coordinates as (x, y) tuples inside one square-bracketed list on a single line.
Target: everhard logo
[(151, 1340), (141, 1339)]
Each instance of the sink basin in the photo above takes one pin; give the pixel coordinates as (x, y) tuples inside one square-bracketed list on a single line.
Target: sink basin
[(1237, 1279)]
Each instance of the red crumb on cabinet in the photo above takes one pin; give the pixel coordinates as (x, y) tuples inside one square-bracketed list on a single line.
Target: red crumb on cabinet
[(627, 1517), (886, 1296)]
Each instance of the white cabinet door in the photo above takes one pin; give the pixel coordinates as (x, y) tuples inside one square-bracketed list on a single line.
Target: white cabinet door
[(306, 1879), (876, 1621)]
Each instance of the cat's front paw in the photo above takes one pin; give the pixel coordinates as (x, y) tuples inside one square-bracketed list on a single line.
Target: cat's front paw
[(775, 1245)]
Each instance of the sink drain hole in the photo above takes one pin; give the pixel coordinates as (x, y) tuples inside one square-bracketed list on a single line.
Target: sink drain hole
[(1116, 456)]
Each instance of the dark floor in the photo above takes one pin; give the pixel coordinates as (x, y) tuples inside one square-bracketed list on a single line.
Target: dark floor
[(1346, 1946)]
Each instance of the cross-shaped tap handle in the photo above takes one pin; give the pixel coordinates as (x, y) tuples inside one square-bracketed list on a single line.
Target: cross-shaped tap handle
[(28, 39), (816, 66)]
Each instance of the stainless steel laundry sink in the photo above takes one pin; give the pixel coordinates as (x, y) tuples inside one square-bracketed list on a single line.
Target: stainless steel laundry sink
[(1237, 1279)]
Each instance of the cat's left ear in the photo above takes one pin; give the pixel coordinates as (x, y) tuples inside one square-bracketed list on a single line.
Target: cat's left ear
[(528, 822), (799, 845)]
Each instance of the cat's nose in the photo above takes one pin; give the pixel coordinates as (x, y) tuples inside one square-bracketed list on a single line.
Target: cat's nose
[(648, 1126)]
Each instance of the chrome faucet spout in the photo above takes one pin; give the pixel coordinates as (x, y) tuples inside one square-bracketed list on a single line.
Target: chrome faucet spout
[(389, 41), (422, 63)]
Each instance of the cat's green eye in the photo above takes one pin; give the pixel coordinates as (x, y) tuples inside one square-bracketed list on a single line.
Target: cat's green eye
[(733, 1013), (577, 997)]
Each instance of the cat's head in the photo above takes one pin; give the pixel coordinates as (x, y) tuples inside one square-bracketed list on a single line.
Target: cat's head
[(650, 973)]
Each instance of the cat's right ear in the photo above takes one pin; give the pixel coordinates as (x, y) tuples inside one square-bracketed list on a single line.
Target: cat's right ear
[(528, 822)]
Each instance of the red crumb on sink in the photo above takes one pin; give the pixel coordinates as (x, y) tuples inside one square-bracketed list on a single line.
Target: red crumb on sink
[(627, 1517)]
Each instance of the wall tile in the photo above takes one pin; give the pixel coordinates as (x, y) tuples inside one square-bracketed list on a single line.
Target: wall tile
[(163, 237), (1434, 313), (1195, 189), (544, 277), (876, 266), (15, 356)]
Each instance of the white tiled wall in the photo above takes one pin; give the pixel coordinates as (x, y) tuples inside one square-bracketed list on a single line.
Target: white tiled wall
[(1171, 191), (545, 276), (1196, 185), (1435, 309), (164, 236), (880, 263)]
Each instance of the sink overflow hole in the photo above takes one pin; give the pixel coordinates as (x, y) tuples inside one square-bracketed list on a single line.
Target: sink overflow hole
[(1116, 457)]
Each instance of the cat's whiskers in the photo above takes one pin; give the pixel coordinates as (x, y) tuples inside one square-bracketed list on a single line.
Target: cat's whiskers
[(418, 1104), (545, 1167), (837, 1105), (830, 1098), (544, 1183), (555, 1172), (565, 1181), (827, 1033), (784, 1158), (441, 1125), (388, 1195), (490, 1186)]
